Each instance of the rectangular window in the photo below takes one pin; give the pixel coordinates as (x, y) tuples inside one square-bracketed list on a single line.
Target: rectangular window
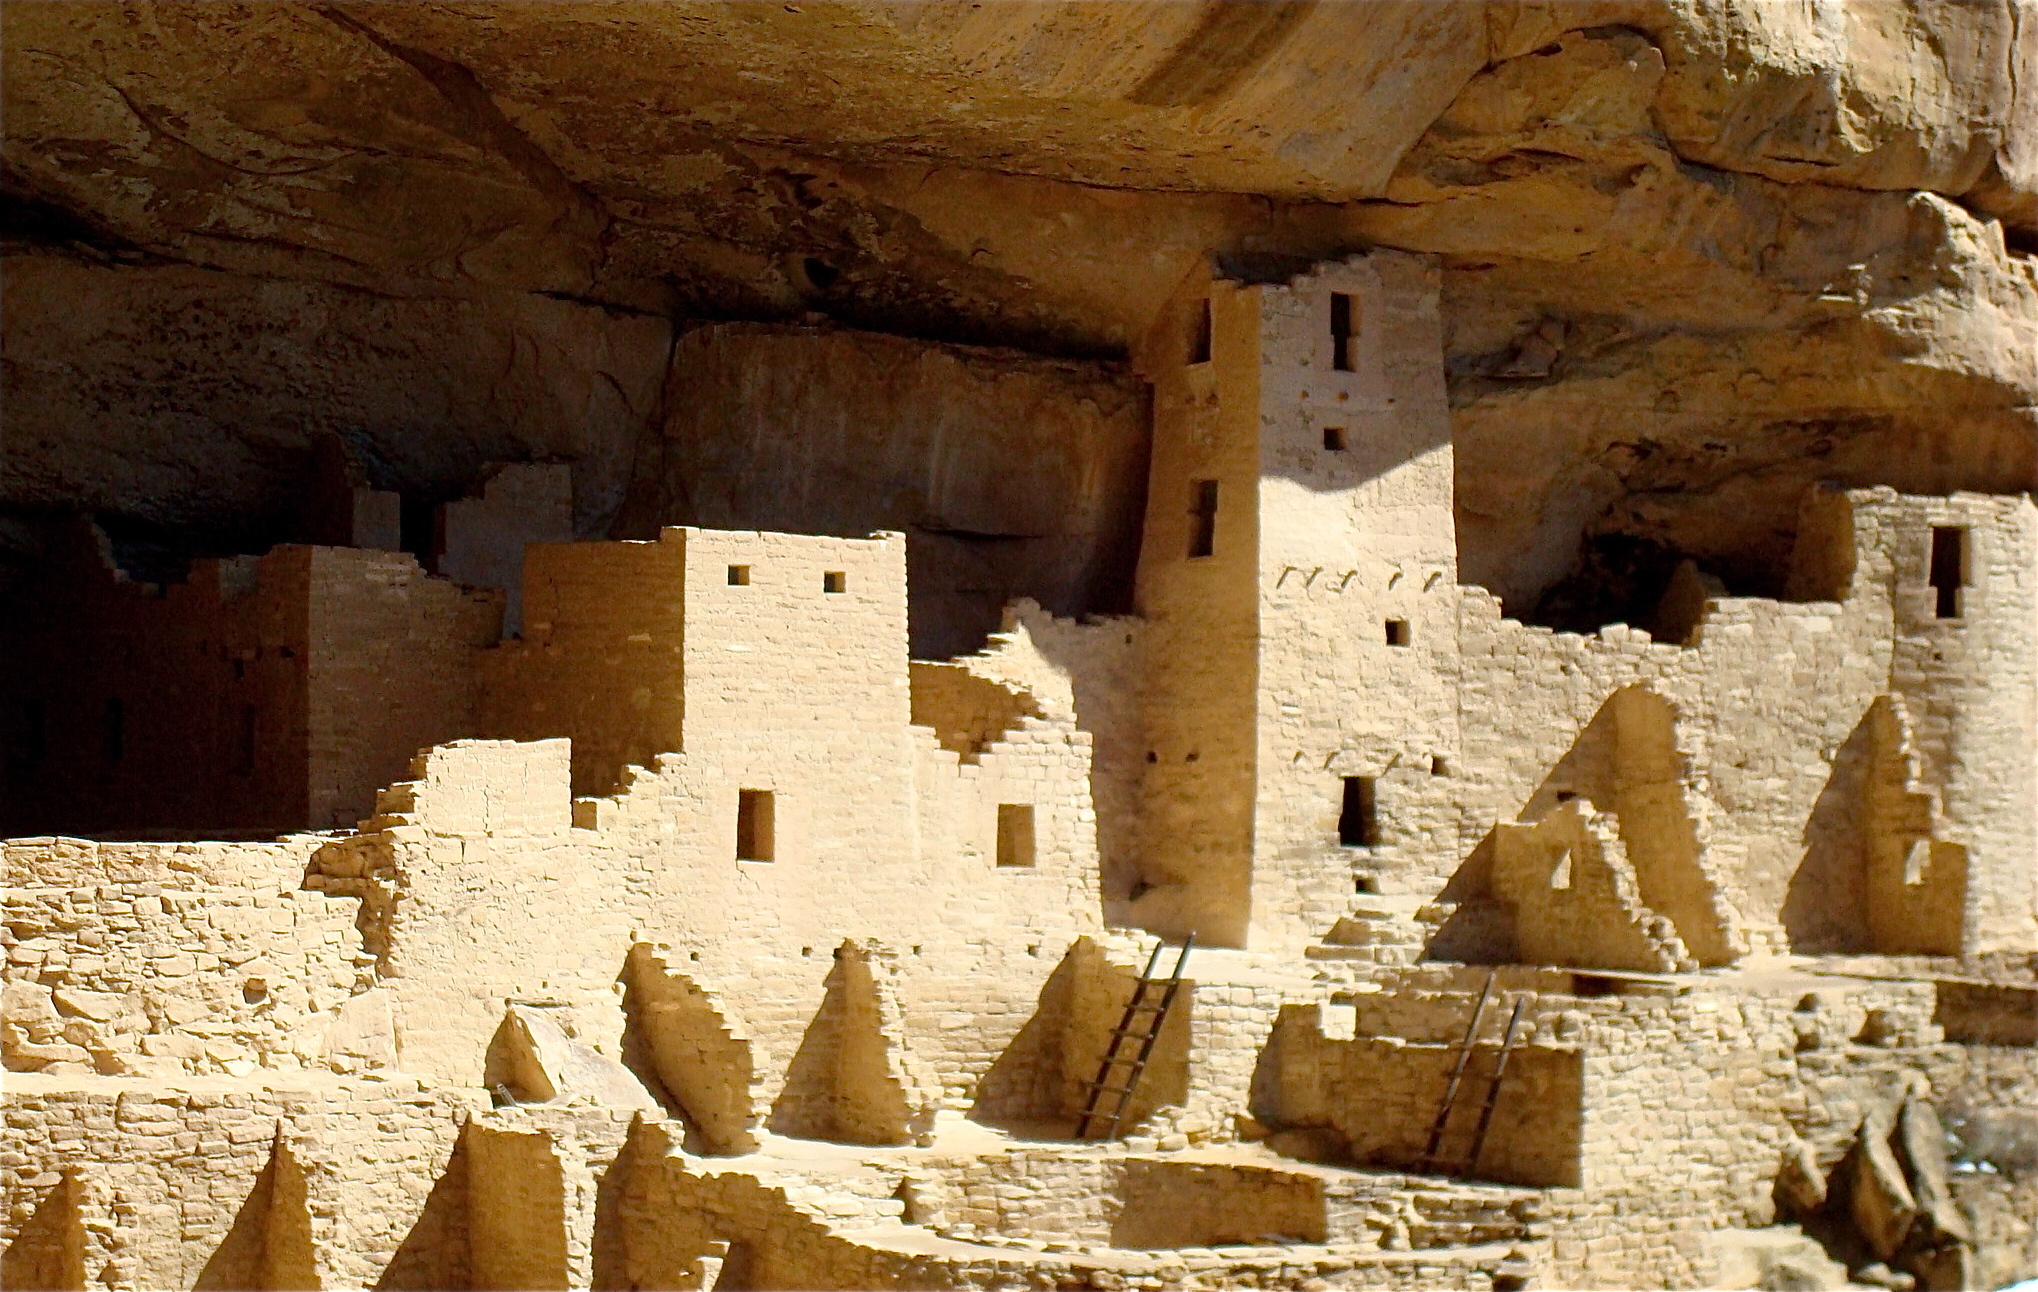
[(739, 576), (1199, 333), (1015, 834), (113, 731), (1358, 824), (244, 743), (835, 581), (1397, 632), (1949, 569), (754, 825), (1343, 328), (35, 733), (1334, 438), (1203, 519), (420, 529)]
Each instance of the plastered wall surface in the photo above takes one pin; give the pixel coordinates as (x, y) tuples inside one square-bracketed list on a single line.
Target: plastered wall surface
[(696, 935)]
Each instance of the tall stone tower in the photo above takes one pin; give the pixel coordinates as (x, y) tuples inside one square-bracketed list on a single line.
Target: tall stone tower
[(1299, 572)]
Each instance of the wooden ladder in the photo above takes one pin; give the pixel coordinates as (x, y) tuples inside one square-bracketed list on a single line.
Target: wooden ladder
[(1449, 1103), (1137, 1029)]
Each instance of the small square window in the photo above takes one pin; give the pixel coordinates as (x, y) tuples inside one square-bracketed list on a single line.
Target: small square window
[(739, 576), (835, 581), (1334, 438), (1015, 834), (1397, 632)]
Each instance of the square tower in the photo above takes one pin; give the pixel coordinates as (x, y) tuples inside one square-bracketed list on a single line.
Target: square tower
[(1300, 572), (770, 655)]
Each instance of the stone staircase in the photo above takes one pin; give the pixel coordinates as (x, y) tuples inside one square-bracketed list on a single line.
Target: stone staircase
[(1468, 1215), (1382, 929), (1423, 1213)]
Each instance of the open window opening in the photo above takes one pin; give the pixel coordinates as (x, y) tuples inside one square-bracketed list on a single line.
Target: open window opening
[(244, 742), (835, 581), (420, 529), (1334, 439), (34, 743), (1358, 823), (739, 576), (755, 825), (1948, 570), (1203, 519), (1199, 332), (1343, 329), (1560, 868), (113, 731), (1015, 834), (1397, 632)]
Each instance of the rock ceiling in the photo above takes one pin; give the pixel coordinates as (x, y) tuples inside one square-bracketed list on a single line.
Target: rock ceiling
[(1697, 251)]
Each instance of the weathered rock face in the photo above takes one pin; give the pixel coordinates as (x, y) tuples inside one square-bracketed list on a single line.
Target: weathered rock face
[(1011, 476), (1697, 253)]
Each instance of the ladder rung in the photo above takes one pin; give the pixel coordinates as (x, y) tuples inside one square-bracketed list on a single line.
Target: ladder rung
[(1141, 1033), (1112, 1090), (1134, 1064)]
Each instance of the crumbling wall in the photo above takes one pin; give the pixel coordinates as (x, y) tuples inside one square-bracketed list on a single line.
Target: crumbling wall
[(481, 888), (600, 658), (854, 1078), (1575, 896), (269, 1245), (140, 708), (516, 1208), (965, 711), (265, 694), (701, 1057), (1915, 888), (482, 537), (213, 1159), (140, 979), (1378, 1096), (1777, 693), (1099, 664), (392, 670), (47, 1249)]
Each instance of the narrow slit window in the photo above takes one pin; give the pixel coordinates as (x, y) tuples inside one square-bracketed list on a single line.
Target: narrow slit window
[(1199, 333), (1949, 569), (755, 813), (1343, 328), (1334, 438), (244, 742), (1397, 632), (835, 581), (1203, 519), (739, 576), (113, 731), (1358, 824), (1015, 834)]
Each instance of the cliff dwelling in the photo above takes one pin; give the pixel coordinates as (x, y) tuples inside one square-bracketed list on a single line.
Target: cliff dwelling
[(1172, 646)]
